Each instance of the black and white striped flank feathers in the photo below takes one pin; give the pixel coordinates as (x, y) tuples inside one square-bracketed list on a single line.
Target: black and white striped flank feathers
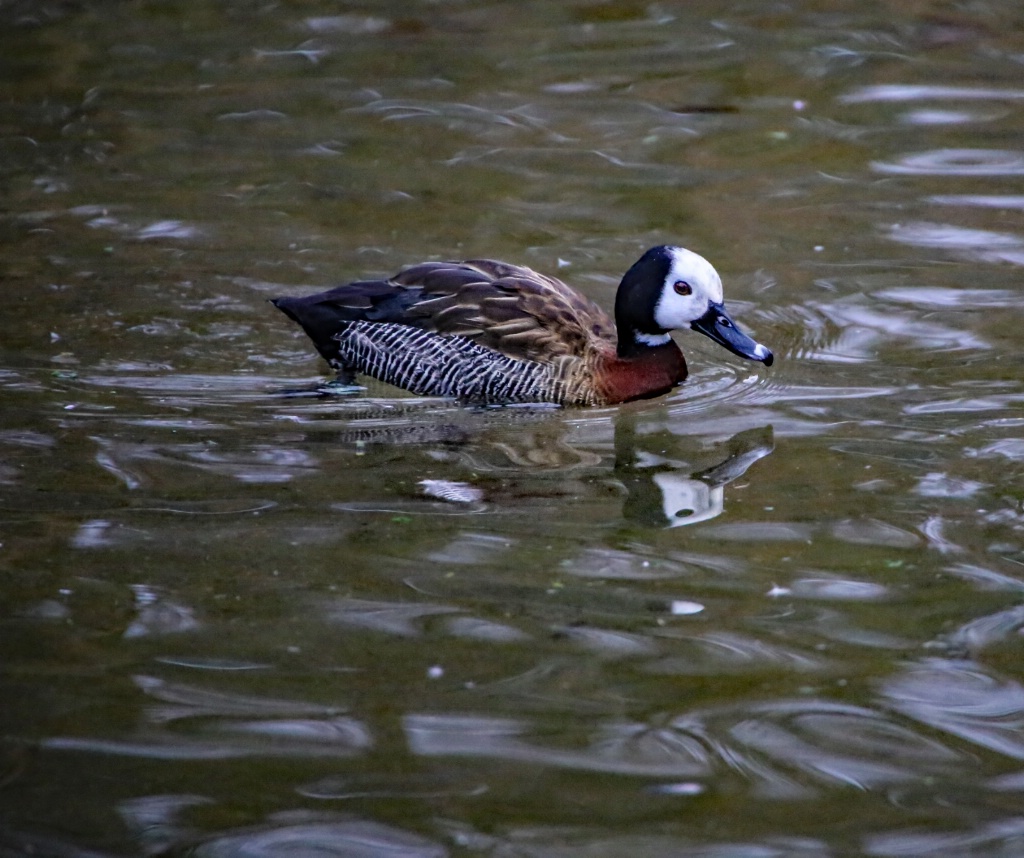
[(454, 366)]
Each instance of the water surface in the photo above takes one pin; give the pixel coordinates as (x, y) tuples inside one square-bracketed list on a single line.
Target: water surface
[(777, 612)]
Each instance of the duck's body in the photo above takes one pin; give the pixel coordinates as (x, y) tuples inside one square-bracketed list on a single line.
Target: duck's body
[(490, 332)]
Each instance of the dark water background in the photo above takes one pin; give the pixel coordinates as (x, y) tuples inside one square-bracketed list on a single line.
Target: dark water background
[(778, 612)]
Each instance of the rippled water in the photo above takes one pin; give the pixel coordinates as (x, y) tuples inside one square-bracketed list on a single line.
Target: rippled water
[(777, 612)]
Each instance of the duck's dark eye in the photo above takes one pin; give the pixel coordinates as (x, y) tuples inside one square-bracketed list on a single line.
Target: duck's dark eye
[(682, 287)]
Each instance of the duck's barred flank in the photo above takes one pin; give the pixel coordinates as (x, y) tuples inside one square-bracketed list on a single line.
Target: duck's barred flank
[(453, 366)]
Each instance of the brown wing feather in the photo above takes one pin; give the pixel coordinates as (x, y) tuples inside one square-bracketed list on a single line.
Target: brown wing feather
[(509, 308)]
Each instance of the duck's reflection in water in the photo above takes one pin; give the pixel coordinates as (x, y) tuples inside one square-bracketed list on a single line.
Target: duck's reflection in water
[(661, 488), (423, 457), (661, 493)]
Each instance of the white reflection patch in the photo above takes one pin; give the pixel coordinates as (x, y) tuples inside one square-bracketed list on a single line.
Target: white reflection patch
[(916, 92), (956, 162)]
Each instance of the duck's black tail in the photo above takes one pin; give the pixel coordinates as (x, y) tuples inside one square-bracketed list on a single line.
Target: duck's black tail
[(319, 321), (324, 315)]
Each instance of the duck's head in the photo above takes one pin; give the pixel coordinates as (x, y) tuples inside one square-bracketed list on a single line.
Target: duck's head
[(669, 288)]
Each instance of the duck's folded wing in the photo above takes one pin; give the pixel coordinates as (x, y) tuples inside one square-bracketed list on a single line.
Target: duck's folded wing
[(508, 308)]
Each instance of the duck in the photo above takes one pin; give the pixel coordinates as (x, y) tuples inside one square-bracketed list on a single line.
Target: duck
[(489, 332)]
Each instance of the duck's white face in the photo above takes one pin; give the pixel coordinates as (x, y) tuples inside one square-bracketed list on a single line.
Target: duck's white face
[(691, 286), (691, 297)]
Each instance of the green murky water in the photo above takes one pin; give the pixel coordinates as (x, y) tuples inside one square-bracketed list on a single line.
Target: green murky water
[(778, 612)]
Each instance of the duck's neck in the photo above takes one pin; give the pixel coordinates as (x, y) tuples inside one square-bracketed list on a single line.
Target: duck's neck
[(634, 345)]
